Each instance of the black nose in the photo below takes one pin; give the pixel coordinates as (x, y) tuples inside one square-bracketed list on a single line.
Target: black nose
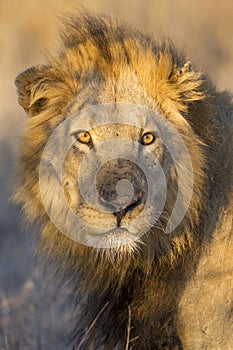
[(121, 185)]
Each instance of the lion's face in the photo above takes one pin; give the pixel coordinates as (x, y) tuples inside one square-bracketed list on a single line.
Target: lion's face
[(105, 170)]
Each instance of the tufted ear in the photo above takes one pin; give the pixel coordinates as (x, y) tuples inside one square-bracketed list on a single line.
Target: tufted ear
[(188, 83), (29, 83), (187, 67)]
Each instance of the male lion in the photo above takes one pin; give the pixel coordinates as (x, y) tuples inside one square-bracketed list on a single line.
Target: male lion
[(126, 166)]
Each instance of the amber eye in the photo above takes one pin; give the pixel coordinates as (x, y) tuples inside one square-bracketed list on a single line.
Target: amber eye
[(83, 137), (147, 138)]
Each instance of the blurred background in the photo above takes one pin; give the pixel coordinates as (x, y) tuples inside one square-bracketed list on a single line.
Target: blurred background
[(31, 311)]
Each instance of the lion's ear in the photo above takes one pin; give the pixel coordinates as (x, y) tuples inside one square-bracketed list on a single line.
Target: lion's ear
[(189, 83), (28, 83), (187, 68)]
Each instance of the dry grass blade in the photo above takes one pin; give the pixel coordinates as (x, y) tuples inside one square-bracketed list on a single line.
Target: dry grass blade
[(128, 340), (91, 326)]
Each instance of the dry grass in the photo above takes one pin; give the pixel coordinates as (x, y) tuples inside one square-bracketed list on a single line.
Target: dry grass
[(31, 318)]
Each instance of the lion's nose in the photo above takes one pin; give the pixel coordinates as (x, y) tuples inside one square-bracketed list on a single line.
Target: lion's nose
[(121, 186)]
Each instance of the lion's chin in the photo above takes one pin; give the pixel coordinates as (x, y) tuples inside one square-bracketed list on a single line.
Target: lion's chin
[(113, 238)]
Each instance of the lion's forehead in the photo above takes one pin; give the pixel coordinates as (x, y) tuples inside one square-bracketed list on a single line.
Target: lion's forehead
[(114, 92), (114, 119)]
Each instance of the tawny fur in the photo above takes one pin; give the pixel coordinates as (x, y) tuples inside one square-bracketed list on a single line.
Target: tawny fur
[(163, 280)]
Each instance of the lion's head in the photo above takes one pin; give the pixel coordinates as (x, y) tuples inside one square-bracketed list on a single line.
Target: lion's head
[(112, 157)]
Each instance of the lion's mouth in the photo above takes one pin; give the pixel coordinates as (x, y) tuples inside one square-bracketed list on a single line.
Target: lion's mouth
[(120, 214), (104, 230)]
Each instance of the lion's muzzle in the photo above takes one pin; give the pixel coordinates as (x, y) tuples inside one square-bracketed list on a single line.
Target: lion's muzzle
[(121, 186)]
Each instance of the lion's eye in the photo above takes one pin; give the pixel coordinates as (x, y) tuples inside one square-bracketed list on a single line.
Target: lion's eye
[(83, 137), (147, 138)]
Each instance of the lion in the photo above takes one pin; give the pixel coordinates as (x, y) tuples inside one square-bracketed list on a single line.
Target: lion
[(126, 168)]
